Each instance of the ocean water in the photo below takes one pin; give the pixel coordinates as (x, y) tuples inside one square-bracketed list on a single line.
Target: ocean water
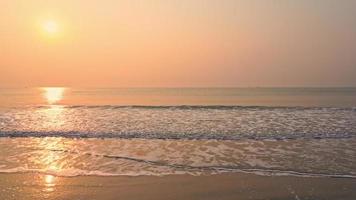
[(160, 131)]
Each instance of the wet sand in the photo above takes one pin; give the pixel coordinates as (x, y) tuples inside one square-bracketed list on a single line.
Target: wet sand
[(223, 186)]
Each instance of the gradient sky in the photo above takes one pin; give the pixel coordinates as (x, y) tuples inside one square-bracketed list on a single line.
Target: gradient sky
[(178, 43)]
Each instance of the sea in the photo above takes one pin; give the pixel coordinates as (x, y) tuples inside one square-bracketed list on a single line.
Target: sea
[(166, 131)]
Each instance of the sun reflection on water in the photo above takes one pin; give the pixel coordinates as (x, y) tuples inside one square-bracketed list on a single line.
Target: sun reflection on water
[(53, 118), (52, 154), (53, 95), (49, 183), (51, 159)]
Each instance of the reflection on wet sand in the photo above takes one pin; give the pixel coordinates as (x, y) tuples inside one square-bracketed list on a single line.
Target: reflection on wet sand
[(50, 161), (49, 183)]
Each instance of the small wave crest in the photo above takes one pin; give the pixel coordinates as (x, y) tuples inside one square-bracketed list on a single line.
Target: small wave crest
[(196, 107), (190, 170), (136, 157), (180, 122), (172, 136)]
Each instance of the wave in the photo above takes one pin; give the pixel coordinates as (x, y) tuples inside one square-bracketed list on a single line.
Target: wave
[(221, 122), (178, 169), (194, 107), (96, 157), (171, 136), (210, 168), (213, 169)]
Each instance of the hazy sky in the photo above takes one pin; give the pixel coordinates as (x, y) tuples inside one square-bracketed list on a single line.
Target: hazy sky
[(172, 43)]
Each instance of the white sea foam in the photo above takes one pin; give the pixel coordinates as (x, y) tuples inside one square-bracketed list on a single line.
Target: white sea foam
[(158, 138), (213, 170), (135, 157), (179, 122)]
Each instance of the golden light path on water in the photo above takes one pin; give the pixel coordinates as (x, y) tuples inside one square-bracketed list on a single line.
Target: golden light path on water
[(53, 94), (51, 160), (53, 118)]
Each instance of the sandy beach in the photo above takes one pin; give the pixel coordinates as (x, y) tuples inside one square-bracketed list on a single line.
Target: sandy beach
[(177, 100), (224, 186)]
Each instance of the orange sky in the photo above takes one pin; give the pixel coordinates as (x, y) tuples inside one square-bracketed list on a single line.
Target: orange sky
[(173, 43)]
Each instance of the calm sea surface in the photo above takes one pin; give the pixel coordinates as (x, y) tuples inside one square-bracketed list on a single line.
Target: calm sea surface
[(157, 131)]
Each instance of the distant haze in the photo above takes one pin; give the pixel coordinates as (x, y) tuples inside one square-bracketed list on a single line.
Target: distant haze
[(177, 43)]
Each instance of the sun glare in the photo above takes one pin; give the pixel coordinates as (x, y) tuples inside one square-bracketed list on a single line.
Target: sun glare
[(50, 27), (53, 94)]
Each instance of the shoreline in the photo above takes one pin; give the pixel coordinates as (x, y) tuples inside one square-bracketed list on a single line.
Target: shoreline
[(221, 186), (252, 171)]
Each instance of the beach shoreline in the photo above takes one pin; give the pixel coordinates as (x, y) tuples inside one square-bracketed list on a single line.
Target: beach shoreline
[(220, 186)]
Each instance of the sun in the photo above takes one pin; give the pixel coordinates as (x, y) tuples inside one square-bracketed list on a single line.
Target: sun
[(50, 27)]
